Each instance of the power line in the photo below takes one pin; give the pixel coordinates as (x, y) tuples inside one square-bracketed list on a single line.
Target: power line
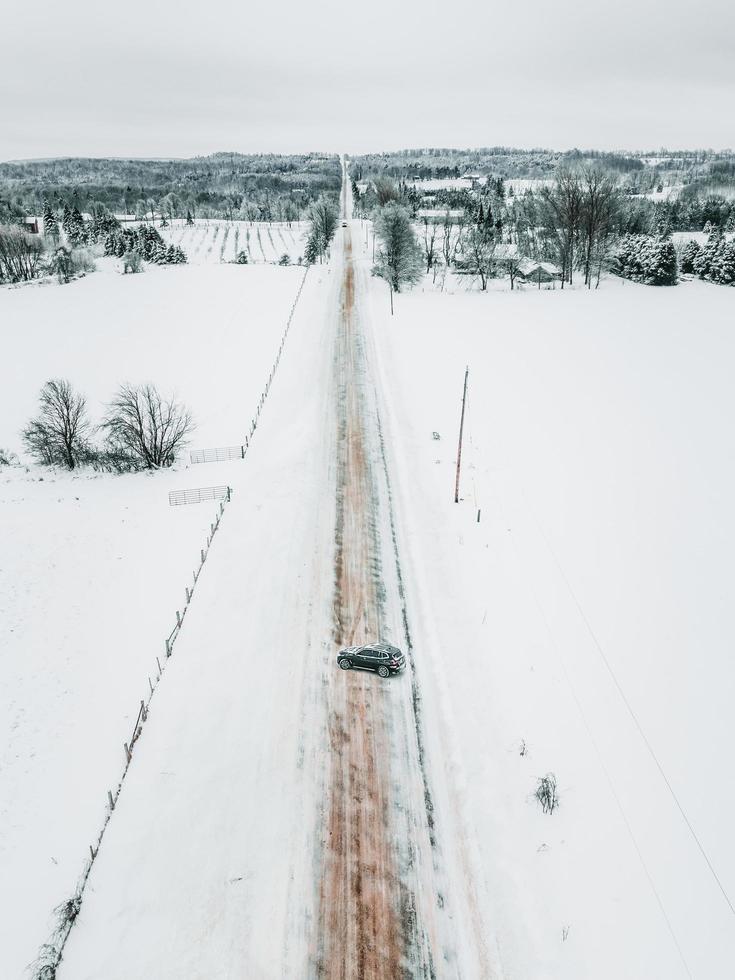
[(599, 755), (634, 717)]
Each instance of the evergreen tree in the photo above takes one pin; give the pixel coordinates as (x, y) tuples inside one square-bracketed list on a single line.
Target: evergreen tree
[(189, 218), (660, 262), (399, 260), (727, 267), (66, 219), (311, 251), (50, 224), (688, 256), (706, 264)]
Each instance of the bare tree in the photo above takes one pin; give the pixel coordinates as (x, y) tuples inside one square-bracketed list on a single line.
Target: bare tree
[(599, 206), (146, 428), (58, 435), (430, 244), (563, 211), (452, 233), (512, 264), (478, 254)]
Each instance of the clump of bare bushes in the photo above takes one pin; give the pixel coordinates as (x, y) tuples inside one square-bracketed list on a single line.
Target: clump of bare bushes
[(70, 263), (141, 429), (21, 254), (24, 257)]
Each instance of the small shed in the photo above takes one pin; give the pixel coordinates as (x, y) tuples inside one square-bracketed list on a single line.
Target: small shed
[(440, 215), (532, 271), (31, 225), (474, 179)]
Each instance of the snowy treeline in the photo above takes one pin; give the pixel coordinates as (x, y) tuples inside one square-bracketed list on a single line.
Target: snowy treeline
[(257, 187), (714, 261), (650, 259), (145, 242)]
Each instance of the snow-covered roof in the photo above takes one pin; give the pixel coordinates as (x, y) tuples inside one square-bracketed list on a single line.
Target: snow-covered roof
[(529, 267), (440, 213)]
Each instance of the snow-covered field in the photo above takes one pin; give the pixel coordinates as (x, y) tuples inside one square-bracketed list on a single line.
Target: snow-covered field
[(571, 615), (584, 625), (211, 240), (93, 567)]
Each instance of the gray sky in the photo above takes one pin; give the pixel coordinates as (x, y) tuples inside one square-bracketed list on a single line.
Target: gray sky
[(182, 77)]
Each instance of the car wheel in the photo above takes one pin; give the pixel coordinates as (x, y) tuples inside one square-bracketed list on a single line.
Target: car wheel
[(383, 671), (345, 664)]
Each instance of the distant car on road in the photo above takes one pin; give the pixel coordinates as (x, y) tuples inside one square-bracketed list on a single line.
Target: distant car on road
[(382, 657), (344, 224)]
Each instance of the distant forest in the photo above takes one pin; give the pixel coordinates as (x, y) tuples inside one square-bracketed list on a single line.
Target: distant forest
[(262, 187), (684, 190)]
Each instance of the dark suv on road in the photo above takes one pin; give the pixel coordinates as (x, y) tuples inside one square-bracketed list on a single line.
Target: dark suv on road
[(382, 657)]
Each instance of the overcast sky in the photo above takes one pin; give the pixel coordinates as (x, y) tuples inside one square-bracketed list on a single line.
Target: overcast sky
[(184, 77)]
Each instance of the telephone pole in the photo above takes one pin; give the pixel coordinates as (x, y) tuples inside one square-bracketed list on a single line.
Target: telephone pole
[(461, 428)]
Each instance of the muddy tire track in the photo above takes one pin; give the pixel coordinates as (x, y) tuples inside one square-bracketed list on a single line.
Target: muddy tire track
[(360, 930)]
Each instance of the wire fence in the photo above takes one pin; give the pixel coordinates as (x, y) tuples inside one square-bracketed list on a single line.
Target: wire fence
[(52, 951), (239, 452), (177, 498), (221, 455)]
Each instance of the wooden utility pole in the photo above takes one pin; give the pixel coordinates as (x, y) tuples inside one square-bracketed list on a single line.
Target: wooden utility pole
[(461, 428)]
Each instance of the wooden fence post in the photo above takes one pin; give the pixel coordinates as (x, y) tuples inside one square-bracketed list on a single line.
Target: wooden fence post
[(143, 712), (127, 752), (112, 802)]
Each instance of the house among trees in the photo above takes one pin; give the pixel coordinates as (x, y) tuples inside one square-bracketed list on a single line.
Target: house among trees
[(529, 270), (31, 225), (475, 180)]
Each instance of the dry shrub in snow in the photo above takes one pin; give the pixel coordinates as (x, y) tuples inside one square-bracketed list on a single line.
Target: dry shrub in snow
[(132, 262), (20, 254), (69, 263), (58, 435), (546, 793), (144, 428)]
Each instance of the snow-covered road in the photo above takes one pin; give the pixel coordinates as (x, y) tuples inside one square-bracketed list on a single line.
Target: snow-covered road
[(279, 819)]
